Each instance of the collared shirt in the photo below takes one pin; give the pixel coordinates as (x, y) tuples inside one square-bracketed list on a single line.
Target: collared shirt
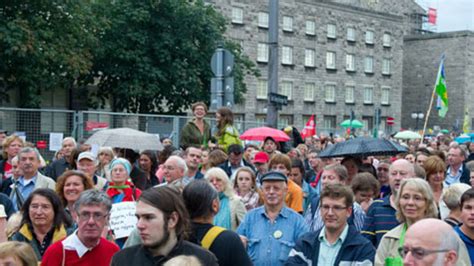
[(25, 187), (452, 179), (269, 243), (327, 251), (73, 242), (316, 222)]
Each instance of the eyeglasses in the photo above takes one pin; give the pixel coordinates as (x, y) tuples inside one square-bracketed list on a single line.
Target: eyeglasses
[(97, 217), (382, 169), (418, 253), (326, 208)]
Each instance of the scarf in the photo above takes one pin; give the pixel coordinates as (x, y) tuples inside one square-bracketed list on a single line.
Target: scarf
[(222, 218)]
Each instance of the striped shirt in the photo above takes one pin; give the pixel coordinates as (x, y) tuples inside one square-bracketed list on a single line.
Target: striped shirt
[(379, 220)]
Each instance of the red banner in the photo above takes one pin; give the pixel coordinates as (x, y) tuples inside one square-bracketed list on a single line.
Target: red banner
[(41, 144), (92, 125), (309, 129), (432, 15)]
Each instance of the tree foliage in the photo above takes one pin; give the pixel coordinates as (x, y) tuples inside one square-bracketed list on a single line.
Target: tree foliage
[(43, 45), (155, 56)]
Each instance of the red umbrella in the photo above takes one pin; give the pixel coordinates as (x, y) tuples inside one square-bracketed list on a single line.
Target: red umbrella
[(261, 133)]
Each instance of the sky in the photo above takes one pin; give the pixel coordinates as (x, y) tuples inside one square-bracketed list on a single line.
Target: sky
[(453, 15)]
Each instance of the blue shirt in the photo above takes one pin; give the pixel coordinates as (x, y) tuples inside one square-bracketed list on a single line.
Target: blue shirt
[(25, 187), (452, 179), (327, 251), (269, 243), (467, 241)]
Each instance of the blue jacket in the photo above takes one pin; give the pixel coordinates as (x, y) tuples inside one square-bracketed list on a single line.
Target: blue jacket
[(355, 248)]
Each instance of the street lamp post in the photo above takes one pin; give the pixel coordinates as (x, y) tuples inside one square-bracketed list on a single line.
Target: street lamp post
[(417, 116)]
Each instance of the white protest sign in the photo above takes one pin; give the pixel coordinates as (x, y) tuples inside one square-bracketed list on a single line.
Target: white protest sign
[(55, 141), (122, 218)]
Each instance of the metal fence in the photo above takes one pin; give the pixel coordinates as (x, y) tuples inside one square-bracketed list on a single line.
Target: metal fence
[(37, 124)]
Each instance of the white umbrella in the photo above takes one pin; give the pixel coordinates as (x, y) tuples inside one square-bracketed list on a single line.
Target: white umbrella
[(407, 134), (126, 138)]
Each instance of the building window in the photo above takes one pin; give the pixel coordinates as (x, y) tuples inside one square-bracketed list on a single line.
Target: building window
[(237, 15), (369, 37), (369, 64), (310, 27), (309, 91), (329, 121), (350, 62), (331, 31), (262, 52), (263, 20), (286, 89), (331, 60), (262, 89), (309, 57), (386, 66), (350, 94), (260, 120), (287, 23), (285, 120), (387, 40), (330, 93), (287, 55), (368, 95), (351, 34), (385, 99)]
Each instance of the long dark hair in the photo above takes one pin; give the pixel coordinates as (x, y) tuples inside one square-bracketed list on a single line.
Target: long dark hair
[(153, 158), (53, 198), (169, 200), (198, 196), (227, 118)]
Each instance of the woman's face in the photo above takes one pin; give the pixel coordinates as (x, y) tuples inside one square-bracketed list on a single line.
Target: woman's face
[(436, 178), (119, 174), (14, 147), (104, 158), (205, 157), (351, 167), (145, 162), (218, 117), (244, 181), (269, 146), (413, 204), (199, 111), (410, 158), (41, 211), (217, 183), (73, 188)]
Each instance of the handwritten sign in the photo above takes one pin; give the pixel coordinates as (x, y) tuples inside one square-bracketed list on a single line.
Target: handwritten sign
[(122, 218), (55, 141)]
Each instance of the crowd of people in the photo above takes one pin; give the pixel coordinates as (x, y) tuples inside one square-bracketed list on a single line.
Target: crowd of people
[(215, 200)]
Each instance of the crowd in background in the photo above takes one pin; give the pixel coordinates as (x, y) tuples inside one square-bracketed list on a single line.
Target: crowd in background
[(226, 202)]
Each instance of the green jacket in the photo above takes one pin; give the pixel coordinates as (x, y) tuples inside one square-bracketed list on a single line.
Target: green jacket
[(228, 137), (191, 135)]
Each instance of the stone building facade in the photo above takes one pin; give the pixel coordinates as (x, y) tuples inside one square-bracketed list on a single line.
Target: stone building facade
[(335, 57), (422, 55)]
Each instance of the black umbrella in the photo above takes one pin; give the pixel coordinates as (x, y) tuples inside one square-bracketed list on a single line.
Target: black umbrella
[(362, 147)]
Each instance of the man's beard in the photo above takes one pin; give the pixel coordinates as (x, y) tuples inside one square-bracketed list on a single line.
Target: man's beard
[(161, 242)]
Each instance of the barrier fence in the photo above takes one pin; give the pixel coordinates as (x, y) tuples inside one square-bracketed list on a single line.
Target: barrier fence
[(36, 125)]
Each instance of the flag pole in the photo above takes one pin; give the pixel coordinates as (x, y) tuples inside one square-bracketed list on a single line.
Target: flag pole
[(431, 101)]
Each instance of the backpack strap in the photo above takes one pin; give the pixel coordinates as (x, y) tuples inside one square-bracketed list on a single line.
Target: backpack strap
[(210, 236)]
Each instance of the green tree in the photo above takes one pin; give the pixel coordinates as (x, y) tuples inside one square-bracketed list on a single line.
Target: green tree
[(155, 55), (43, 45)]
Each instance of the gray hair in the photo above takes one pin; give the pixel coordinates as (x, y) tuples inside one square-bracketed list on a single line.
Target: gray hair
[(462, 150), (218, 173), (180, 162), (28, 150), (69, 139), (93, 197), (449, 240), (452, 195)]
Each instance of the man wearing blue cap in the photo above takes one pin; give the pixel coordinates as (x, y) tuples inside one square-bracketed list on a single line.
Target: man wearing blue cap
[(270, 231)]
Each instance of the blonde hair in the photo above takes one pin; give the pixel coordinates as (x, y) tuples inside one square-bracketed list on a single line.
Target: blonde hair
[(20, 251), (220, 174), (13, 224), (420, 186)]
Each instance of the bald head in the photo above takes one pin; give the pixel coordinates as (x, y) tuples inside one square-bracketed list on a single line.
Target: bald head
[(399, 170), (431, 235)]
